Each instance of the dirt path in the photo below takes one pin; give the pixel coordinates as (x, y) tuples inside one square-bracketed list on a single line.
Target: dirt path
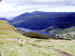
[(62, 53)]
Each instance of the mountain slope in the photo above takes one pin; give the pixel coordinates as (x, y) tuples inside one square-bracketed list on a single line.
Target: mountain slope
[(43, 20), (15, 44), (68, 33)]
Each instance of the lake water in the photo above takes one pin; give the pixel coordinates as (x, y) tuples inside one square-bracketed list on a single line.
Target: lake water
[(37, 31)]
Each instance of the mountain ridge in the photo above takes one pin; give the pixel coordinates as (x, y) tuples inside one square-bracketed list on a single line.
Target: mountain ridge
[(40, 20)]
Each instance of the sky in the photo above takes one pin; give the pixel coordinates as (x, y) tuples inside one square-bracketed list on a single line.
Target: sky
[(12, 8)]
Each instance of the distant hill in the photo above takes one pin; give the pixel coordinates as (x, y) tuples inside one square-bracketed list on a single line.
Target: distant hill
[(43, 20), (4, 19), (68, 33)]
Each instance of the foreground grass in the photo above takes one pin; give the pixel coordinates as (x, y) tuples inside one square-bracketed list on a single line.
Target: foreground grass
[(15, 44)]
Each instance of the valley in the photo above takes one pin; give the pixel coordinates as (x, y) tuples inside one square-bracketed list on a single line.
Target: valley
[(38, 34)]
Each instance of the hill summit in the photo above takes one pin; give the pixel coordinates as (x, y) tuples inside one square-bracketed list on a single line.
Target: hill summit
[(5, 26)]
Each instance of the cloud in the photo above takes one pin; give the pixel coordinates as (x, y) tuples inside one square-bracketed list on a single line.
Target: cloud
[(11, 8), (41, 2), (4, 7)]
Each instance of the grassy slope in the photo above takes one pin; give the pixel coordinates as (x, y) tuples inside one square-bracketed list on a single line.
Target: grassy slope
[(15, 44), (68, 33)]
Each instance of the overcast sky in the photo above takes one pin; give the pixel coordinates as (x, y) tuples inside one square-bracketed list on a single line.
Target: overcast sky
[(11, 8)]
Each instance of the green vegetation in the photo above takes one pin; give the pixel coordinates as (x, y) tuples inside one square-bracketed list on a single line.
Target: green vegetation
[(15, 44), (68, 33), (62, 31)]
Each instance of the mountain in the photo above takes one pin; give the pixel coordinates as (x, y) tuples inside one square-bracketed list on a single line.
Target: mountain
[(2, 19), (5, 19), (13, 43), (41, 20)]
